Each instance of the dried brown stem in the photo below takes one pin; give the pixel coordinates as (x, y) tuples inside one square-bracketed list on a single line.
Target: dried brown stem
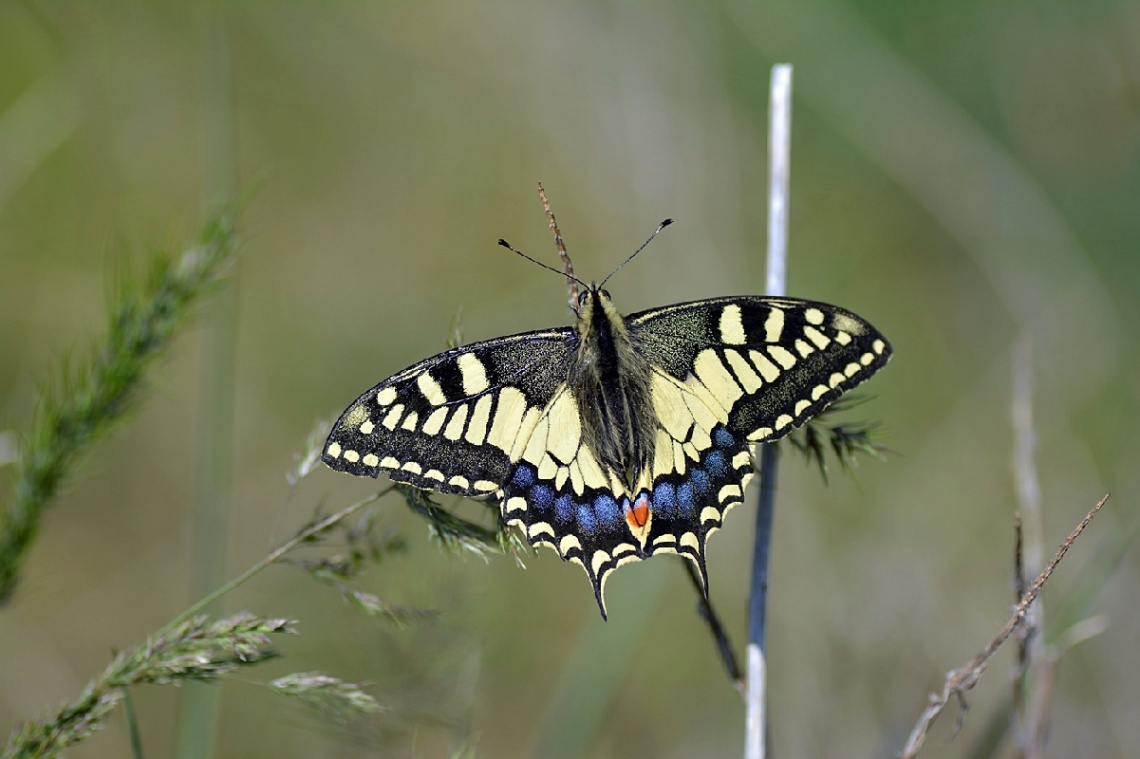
[(958, 681), (1021, 669)]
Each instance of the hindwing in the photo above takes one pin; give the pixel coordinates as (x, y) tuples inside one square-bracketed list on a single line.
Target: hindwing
[(566, 500)]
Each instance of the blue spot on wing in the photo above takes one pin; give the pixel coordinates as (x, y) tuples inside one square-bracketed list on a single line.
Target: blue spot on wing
[(714, 462), (685, 497), (524, 476), (563, 508), (586, 519), (542, 496), (723, 437), (665, 500), (606, 509), (700, 480)]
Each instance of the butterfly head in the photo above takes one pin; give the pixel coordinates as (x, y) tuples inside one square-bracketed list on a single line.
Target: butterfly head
[(596, 309)]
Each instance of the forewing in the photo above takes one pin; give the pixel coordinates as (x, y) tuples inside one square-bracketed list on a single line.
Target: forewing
[(456, 421), (769, 363)]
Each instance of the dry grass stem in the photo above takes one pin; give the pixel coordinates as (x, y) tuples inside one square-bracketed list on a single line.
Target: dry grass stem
[(958, 681), (757, 731)]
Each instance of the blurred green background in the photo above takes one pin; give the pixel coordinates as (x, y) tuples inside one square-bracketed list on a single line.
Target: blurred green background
[(965, 174)]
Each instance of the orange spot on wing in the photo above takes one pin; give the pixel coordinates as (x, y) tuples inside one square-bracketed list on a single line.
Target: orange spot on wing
[(638, 514)]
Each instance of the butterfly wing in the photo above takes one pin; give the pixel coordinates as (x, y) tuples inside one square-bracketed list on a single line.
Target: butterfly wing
[(730, 373), (454, 422)]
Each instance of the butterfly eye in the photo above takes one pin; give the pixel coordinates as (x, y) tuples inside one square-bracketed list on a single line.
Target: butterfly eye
[(605, 293), (582, 297)]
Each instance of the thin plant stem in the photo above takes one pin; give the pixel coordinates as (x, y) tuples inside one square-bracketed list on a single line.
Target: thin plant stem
[(779, 167), (199, 649), (193, 647), (960, 680), (274, 556), (132, 724), (1034, 672), (779, 159)]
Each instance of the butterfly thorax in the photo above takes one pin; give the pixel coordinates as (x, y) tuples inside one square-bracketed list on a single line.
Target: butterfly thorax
[(610, 381)]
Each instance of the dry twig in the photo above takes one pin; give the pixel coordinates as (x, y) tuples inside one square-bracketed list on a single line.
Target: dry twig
[(958, 681)]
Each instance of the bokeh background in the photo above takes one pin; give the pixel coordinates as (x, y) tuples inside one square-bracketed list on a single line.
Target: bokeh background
[(966, 175)]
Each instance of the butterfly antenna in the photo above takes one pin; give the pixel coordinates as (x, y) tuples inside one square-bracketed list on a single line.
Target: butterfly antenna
[(572, 282), (513, 249), (660, 226)]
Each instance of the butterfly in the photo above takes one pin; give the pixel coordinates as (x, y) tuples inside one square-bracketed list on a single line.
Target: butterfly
[(619, 437)]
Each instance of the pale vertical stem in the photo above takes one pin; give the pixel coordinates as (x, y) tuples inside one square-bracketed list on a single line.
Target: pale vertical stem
[(198, 712), (779, 171), (779, 161)]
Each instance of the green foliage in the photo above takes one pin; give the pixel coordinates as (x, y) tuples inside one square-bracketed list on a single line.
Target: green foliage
[(191, 647), (79, 405), (84, 398)]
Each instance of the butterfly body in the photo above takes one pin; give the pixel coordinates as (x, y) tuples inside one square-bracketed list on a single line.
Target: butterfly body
[(620, 437), (611, 381)]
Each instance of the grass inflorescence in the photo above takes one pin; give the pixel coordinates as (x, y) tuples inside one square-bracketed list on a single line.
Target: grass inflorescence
[(80, 403), (845, 440), (196, 649), (332, 697), (86, 397)]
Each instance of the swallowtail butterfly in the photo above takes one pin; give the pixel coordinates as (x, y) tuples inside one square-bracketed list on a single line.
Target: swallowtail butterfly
[(617, 438)]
